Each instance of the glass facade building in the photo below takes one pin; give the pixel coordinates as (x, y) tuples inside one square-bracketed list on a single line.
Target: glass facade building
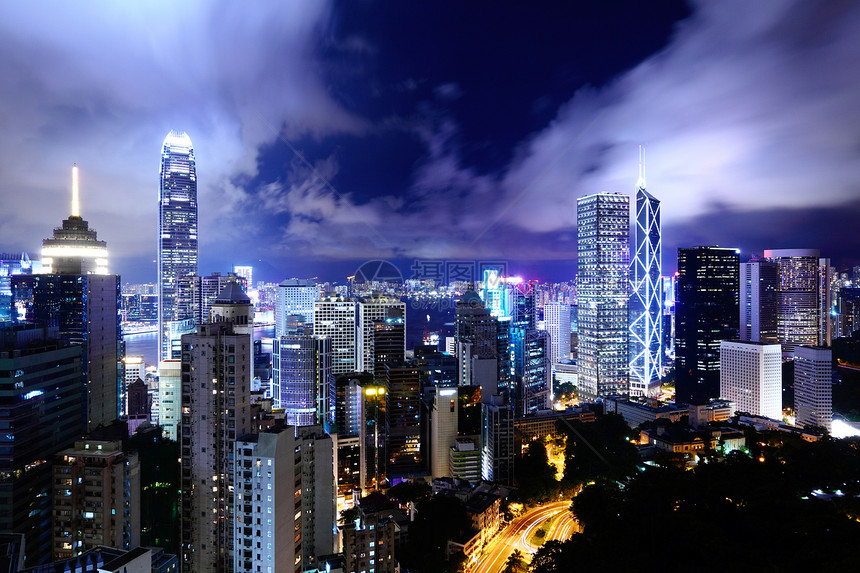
[(177, 232), (646, 298), (603, 249)]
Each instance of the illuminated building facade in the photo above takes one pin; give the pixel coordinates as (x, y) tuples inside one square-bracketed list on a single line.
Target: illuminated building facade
[(603, 249), (13, 264), (813, 386), (335, 318), (215, 391), (177, 233), (402, 415), (751, 377), (804, 298), (295, 297), (646, 290), (370, 312), (532, 372), (302, 381), (75, 248), (759, 301), (706, 312), (556, 316)]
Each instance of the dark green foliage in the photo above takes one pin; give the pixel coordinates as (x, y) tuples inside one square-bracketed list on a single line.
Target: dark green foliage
[(407, 491), (159, 489), (515, 562), (535, 476), (438, 519), (599, 450), (737, 515)]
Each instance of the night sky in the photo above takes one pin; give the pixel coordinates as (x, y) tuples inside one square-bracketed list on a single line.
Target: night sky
[(330, 133)]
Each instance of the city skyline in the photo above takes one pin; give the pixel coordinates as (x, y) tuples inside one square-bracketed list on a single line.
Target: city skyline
[(350, 149)]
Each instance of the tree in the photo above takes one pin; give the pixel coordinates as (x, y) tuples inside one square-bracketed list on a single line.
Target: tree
[(536, 481), (515, 563), (599, 450)]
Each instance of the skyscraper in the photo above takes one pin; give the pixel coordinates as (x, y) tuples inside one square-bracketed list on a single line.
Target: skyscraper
[(302, 382), (603, 251), (646, 308), (369, 312), (75, 248), (335, 318), (813, 386), (758, 301), (804, 298), (706, 312), (295, 297), (177, 232)]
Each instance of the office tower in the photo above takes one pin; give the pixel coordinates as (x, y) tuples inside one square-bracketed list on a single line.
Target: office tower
[(177, 233), (523, 306), (813, 386), (556, 315), (13, 264), (233, 305), (759, 302), (40, 411), (216, 388), (74, 249), (476, 334), (532, 372), (402, 413), (96, 498), (496, 293), (169, 395), (388, 341), (139, 403), (603, 251), (368, 544), (804, 298), (751, 377), (464, 460), (369, 312), (443, 430), (302, 380), (497, 441), (437, 368), (85, 309), (295, 296), (247, 273), (284, 499), (335, 318), (646, 294), (706, 312)]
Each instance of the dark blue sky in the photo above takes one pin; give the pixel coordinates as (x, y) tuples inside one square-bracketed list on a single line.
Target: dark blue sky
[(327, 134)]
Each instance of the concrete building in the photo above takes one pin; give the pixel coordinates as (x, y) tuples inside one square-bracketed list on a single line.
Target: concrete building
[(368, 544), (639, 411), (216, 389), (497, 441), (133, 368), (443, 430), (464, 459), (402, 415), (335, 318), (603, 255), (556, 315), (813, 386), (751, 377), (96, 498), (295, 297), (284, 494), (302, 379)]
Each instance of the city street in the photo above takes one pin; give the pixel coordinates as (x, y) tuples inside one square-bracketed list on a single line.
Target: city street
[(518, 533)]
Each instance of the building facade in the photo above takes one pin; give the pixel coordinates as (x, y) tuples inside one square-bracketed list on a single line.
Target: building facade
[(177, 232), (706, 312), (646, 300), (335, 318), (302, 379), (813, 386), (556, 316), (751, 377), (759, 301), (603, 254)]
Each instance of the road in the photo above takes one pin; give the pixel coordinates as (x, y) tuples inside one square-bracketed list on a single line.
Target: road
[(518, 533)]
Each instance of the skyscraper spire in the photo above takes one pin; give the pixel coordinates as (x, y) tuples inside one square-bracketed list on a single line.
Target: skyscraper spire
[(76, 212), (640, 184)]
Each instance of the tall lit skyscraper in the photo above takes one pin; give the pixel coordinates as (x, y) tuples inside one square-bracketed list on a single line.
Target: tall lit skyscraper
[(302, 382), (646, 308), (759, 302), (335, 318), (295, 297), (813, 386), (804, 298), (177, 232), (603, 254), (751, 377), (706, 312), (74, 249)]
